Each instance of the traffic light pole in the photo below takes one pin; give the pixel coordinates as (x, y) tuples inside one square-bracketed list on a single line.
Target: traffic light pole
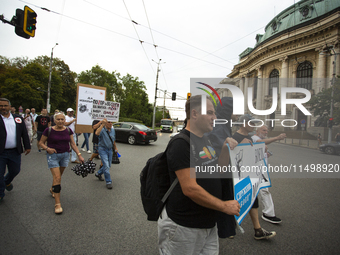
[(12, 22), (24, 22)]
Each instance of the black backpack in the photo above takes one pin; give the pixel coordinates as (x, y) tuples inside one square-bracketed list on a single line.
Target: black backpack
[(155, 182)]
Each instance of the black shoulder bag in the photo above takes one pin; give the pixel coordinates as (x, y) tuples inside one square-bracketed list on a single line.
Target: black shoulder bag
[(115, 158)]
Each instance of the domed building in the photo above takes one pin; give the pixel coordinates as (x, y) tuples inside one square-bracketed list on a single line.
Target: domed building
[(299, 48)]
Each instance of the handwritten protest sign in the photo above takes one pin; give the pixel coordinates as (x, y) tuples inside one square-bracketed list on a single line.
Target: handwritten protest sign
[(105, 109)]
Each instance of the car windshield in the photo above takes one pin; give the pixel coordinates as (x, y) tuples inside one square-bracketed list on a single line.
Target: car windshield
[(141, 127), (166, 122)]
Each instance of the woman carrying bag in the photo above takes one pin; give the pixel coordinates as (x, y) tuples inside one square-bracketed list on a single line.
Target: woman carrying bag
[(59, 138)]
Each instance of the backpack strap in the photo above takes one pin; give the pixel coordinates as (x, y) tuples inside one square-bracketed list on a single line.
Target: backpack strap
[(50, 128), (174, 183), (69, 130)]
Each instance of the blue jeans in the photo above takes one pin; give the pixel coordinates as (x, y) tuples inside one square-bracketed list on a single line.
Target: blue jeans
[(12, 159), (58, 159), (74, 154), (106, 158), (86, 141)]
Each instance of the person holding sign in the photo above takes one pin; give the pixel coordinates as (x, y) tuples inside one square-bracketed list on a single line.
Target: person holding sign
[(268, 212), (242, 136), (106, 143), (226, 223), (193, 205)]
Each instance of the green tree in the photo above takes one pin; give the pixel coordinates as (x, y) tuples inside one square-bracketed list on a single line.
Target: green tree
[(65, 96), (320, 103), (18, 85), (102, 78), (134, 100), (20, 78)]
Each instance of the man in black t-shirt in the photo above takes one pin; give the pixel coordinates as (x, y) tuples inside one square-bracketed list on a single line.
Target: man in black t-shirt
[(41, 123), (242, 136), (192, 206)]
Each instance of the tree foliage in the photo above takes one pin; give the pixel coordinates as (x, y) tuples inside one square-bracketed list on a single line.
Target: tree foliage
[(134, 94), (20, 79), (102, 78), (320, 103), (63, 84)]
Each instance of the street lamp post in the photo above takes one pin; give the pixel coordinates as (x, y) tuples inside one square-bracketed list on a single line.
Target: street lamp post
[(154, 104), (48, 106)]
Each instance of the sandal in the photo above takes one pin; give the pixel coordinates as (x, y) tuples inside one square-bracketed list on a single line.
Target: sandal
[(58, 210), (52, 192)]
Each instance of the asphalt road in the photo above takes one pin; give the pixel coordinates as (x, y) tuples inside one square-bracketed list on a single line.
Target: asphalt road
[(101, 221)]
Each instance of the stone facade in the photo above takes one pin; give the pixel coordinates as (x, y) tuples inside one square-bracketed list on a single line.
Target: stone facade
[(299, 49)]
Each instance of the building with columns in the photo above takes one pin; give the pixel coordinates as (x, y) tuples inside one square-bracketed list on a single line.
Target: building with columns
[(298, 49)]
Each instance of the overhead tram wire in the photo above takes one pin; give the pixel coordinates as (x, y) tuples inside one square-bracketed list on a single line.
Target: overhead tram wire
[(221, 49), (141, 42), (154, 43), (87, 23), (118, 33), (173, 38), (153, 40), (209, 53)]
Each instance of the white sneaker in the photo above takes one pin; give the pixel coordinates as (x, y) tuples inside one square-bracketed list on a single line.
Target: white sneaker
[(89, 152), (83, 149)]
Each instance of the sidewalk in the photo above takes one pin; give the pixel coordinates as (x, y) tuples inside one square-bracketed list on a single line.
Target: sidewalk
[(312, 144)]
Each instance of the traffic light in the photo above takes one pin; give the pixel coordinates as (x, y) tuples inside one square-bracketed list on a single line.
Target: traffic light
[(188, 96), (30, 19), (330, 122), (19, 23), (173, 96)]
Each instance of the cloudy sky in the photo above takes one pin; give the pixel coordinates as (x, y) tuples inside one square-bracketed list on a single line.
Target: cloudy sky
[(193, 38)]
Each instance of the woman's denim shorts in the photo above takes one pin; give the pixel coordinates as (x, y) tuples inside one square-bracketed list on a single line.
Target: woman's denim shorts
[(58, 159)]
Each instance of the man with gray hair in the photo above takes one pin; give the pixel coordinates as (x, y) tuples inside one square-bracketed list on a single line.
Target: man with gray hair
[(13, 133), (242, 136), (268, 212), (29, 123)]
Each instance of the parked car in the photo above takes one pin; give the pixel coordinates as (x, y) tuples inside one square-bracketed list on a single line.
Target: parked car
[(133, 133), (180, 127), (330, 148), (173, 134)]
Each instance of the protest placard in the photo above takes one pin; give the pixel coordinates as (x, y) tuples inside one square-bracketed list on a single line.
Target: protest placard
[(85, 95), (250, 174), (105, 109)]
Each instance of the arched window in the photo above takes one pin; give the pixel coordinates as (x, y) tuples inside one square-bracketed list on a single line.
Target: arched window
[(273, 81), (304, 75)]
